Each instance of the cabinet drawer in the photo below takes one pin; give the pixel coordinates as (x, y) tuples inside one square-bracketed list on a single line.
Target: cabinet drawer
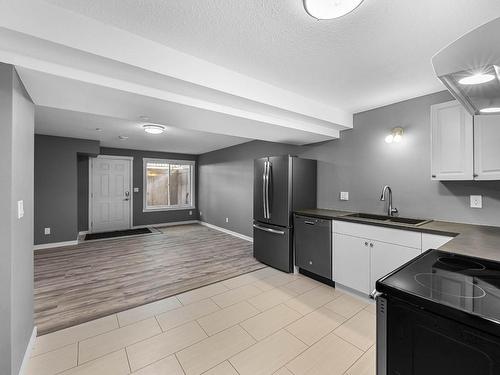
[(376, 233)]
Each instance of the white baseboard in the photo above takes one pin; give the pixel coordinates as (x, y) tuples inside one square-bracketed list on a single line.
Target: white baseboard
[(54, 244), (27, 353), (171, 224), (232, 233)]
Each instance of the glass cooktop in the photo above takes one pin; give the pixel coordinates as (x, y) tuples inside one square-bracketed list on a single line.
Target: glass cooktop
[(468, 284)]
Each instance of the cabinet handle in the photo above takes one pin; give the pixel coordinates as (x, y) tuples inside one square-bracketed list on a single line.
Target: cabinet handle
[(475, 175), (433, 176)]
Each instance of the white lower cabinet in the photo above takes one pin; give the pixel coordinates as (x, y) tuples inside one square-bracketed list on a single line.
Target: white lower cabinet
[(386, 257), (352, 262), (358, 262)]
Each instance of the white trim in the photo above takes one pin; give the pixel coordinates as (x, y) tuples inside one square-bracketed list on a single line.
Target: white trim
[(91, 185), (171, 224), (54, 244), (192, 163), (27, 353), (232, 233)]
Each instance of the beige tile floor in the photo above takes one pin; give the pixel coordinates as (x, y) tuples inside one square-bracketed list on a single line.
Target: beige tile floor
[(264, 322)]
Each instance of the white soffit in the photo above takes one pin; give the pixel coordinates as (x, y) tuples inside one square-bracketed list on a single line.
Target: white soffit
[(54, 47)]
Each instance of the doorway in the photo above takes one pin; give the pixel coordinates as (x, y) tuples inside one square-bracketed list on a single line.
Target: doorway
[(110, 193)]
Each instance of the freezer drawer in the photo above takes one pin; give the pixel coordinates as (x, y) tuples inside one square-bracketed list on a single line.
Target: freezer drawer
[(272, 246), (313, 245)]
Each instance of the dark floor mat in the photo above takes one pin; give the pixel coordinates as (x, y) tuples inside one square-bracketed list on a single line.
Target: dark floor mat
[(117, 233)]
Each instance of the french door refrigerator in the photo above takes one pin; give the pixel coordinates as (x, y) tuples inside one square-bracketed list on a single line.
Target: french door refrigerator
[(282, 184)]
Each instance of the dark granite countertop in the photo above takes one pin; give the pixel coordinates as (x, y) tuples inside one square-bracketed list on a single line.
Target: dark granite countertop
[(474, 240)]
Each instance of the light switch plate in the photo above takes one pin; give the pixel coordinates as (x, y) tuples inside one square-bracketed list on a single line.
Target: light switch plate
[(476, 201), (46, 231), (344, 195), (136, 190), (20, 209)]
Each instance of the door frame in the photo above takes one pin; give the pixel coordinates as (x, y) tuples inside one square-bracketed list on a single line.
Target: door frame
[(91, 185)]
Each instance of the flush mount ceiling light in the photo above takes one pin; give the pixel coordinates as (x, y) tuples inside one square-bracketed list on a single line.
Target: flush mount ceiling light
[(395, 136), (153, 129), (477, 79), (329, 9), (490, 110), (122, 137)]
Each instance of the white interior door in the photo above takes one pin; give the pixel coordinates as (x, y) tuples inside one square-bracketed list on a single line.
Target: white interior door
[(110, 193)]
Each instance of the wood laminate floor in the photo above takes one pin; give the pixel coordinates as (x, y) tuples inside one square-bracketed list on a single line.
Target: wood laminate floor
[(76, 284)]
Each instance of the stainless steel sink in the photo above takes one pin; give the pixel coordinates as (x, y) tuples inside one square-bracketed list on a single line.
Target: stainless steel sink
[(404, 220), (390, 219), (370, 216)]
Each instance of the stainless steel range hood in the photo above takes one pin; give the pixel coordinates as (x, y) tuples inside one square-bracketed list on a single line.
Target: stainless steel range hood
[(470, 68)]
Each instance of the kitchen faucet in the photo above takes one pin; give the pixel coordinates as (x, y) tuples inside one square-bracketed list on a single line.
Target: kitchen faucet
[(390, 210)]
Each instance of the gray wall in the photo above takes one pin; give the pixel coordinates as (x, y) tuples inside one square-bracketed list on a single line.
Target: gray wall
[(147, 218), (226, 183), (56, 193), (361, 163), (16, 183)]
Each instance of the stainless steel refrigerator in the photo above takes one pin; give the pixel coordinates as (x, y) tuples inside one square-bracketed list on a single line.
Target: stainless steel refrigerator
[(282, 184)]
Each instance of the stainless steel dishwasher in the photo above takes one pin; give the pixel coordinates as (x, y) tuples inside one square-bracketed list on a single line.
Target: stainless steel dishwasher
[(313, 245)]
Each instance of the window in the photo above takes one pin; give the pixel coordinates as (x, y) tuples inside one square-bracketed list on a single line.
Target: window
[(168, 184)]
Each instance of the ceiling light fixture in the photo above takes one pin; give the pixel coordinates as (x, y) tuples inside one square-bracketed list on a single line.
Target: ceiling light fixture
[(122, 137), (329, 9), (395, 136), (153, 129), (477, 79), (490, 110)]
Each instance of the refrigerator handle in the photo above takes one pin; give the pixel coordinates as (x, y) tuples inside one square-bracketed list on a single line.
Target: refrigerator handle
[(270, 230), (267, 189), (264, 175)]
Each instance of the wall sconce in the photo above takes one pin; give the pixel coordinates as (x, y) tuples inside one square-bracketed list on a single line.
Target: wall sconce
[(395, 136)]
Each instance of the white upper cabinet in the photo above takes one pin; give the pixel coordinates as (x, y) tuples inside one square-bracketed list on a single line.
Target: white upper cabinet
[(487, 147), (452, 142)]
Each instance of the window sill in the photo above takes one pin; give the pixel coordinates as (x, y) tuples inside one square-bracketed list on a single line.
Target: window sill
[(182, 208)]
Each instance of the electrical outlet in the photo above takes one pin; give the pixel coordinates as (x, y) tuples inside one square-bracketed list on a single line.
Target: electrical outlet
[(201, 213), (46, 231), (227, 220), (476, 201), (190, 213), (344, 195)]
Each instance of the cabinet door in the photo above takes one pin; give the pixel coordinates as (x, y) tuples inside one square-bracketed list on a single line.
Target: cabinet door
[(386, 257), (451, 142), (487, 147), (352, 262)]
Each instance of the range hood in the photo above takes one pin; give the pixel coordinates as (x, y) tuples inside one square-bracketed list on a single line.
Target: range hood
[(470, 69)]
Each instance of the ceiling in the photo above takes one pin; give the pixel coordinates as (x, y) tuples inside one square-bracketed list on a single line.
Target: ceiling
[(63, 123), (378, 54)]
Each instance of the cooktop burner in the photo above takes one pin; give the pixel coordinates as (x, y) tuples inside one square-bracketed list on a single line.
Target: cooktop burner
[(462, 289), (469, 284)]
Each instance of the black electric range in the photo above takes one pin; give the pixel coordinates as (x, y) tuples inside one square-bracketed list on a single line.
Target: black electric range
[(439, 314)]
